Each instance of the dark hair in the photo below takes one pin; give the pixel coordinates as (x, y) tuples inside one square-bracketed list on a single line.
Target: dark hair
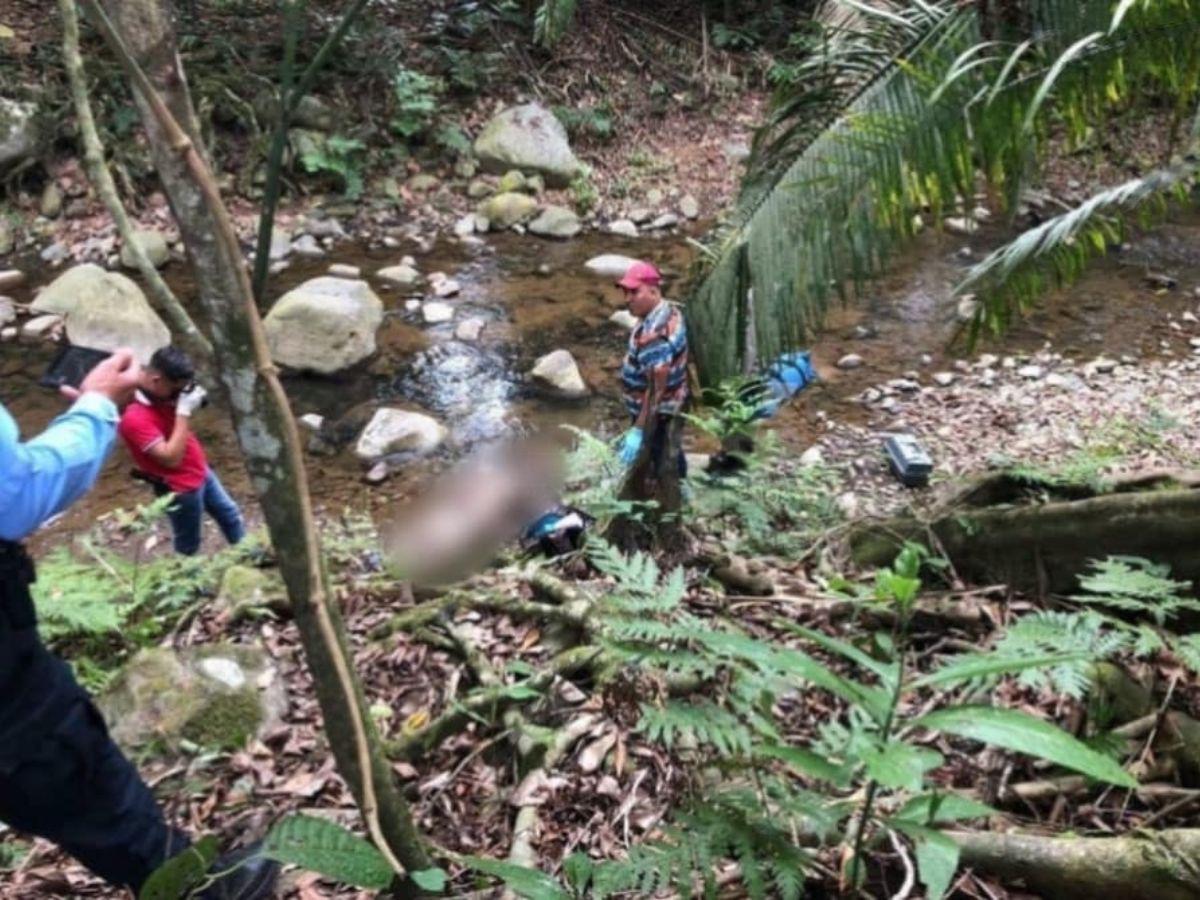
[(173, 363)]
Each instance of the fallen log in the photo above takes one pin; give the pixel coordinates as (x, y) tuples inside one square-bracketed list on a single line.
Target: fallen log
[(1163, 865), (991, 533)]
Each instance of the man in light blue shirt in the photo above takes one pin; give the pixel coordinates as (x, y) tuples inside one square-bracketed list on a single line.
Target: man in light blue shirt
[(61, 776)]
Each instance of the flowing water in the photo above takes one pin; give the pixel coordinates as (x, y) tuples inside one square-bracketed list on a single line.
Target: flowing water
[(536, 296)]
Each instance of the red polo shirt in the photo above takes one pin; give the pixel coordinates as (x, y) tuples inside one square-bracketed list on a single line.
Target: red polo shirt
[(145, 424)]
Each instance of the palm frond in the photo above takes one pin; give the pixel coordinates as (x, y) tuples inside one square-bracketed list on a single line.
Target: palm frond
[(1011, 278), (835, 193)]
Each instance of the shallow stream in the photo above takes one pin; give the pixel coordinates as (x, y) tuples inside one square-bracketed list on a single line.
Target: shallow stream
[(536, 296)]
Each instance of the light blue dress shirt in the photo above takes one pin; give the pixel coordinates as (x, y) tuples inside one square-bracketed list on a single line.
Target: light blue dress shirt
[(43, 476)]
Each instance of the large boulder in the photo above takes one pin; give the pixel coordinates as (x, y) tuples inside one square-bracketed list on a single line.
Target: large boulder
[(217, 696), (508, 209), (557, 374), (324, 325), (153, 244), (609, 265), (18, 131), (104, 310), (556, 222), (398, 431), (531, 139)]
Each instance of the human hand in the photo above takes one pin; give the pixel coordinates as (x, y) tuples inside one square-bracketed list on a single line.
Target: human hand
[(115, 378), (630, 446), (190, 400)]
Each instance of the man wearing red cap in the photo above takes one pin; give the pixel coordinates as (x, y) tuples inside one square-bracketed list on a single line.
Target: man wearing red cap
[(655, 369)]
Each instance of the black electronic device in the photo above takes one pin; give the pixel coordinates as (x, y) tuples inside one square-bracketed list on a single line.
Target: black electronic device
[(71, 365), (909, 461)]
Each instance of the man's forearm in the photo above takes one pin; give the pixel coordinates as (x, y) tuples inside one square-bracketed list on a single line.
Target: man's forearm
[(42, 476), (175, 446)]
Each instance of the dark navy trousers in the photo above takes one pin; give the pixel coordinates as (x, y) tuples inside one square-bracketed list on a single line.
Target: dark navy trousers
[(61, 776)]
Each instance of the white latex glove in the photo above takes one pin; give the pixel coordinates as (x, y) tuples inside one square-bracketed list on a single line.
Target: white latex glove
[(190, 400)]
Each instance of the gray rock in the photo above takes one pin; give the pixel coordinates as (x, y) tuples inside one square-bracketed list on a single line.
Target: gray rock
[(558, 375), (556, 222), (55, 254), (281, 244), (623, 227), (654, 197), (640, 216), (216, 696), (623, 318), (18, 132), (1030, 373), (104, 310), (689, 207), (465, 225), (480, 188), (312, 421), (324, 325), (398, 431), (812, 457), (967, 308), (378, 473), (528, 138), (9, 334), (445, 287), (342, 270), (850, 361), (51, 203), (154, 246), (40, 327), (943, 379), (666, 220), (312, 112), (507, 209), (8, 237), (512, 180), (736, 151), (536, 185), (324, 228), (423, 183), (8, 311), (609, 265), (469, 330), (404, 276), (960, 225), (465, 168), (435, 313), (306, 246)]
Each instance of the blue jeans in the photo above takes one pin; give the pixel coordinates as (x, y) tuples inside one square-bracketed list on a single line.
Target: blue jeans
[(187, 515)]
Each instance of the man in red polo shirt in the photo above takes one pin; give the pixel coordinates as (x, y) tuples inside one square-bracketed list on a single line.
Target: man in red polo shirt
[(156, 428)]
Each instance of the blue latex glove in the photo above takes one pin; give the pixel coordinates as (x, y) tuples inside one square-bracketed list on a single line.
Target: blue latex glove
[(630, 446)]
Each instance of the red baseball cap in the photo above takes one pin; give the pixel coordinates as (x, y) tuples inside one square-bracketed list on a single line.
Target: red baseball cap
[(640, 273)]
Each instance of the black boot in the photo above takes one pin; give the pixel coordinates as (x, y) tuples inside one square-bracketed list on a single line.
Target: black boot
[(253, 878)]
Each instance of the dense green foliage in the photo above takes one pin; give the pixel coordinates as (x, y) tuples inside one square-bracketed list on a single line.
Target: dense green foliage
[(901, 113)]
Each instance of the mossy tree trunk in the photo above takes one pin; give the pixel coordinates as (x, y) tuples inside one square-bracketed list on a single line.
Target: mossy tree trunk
[(144, 39)]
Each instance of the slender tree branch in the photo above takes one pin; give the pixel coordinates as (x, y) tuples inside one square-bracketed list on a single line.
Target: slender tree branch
[(314, 591), (290, 96), (93, 155)]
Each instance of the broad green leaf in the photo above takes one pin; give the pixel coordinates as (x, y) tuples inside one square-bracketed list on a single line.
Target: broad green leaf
[(1023, 733), (325, 847), (937, 857), (578, 870), (433, 880), (528, 883), (180, 874), (804, 761), (990, 664), (871, 700), (931, 808), (886, 671), (900, 765)]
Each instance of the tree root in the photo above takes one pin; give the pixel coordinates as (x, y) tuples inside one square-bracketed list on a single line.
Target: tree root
[(1146, 866), (570, 612), (490, 700)]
